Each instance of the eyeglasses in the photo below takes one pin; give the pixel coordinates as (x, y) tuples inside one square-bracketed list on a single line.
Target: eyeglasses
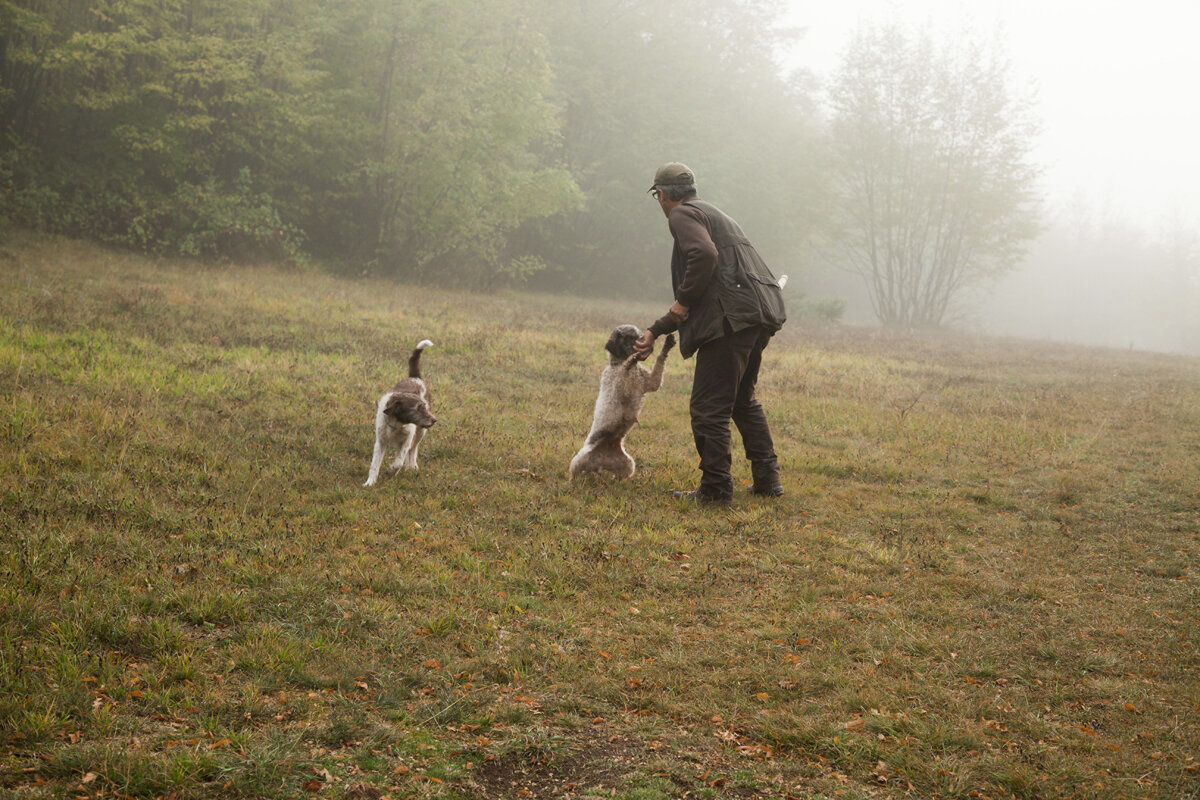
[(656, 193)]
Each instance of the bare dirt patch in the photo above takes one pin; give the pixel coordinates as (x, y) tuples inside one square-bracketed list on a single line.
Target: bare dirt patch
[(586, 764)]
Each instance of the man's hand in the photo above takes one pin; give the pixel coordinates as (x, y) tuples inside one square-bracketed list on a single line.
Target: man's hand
[(678, 313), (644, 346)]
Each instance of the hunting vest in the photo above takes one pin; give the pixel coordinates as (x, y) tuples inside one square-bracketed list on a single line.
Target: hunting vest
[(742, 292)]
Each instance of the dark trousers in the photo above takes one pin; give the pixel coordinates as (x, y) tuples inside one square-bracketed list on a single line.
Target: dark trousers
[(723, 389)]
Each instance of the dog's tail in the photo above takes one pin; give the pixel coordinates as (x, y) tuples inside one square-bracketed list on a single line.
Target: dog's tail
[(414, 361)]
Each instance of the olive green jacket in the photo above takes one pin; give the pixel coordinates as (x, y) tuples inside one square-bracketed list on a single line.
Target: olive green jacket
[(719, 277)]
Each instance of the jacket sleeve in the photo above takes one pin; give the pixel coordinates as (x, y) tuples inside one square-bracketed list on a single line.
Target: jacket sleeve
[(664, 324), (691, 234)]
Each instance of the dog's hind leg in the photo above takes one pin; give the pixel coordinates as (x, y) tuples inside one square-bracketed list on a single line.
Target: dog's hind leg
[(614, 459)]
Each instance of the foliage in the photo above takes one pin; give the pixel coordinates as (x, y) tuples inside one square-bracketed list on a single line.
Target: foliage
[(367, 121), (937, 189), (981, 582), (643, 84), (808, 310), (143, 122), (429, 139), (461, 107)]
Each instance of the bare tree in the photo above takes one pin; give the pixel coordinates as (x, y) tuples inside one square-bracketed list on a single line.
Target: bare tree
[(937, 190)]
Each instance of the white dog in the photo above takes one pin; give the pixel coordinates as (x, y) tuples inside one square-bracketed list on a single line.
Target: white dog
[(623, 385), (402, 418)]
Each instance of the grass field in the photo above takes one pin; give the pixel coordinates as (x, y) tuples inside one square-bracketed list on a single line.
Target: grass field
[(982, 582)]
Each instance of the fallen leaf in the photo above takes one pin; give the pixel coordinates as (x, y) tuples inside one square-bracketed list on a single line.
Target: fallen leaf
[(363, 791), (755, 751)]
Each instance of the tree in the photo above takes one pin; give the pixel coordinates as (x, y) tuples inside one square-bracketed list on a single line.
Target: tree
[(364, 128), (150, 123), (461, 115), (429, 139), (643, 83), (937, 192)]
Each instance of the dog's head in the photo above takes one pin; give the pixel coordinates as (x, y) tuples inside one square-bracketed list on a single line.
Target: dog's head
[(620, 343), (409, 408)]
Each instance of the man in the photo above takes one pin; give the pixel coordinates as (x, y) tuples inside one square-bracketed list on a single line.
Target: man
[(727, 306)]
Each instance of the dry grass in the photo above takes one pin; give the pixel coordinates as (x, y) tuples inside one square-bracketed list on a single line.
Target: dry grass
[(981, 583)]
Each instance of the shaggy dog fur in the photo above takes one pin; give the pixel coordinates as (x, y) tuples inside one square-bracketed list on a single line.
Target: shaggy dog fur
[(402, 417), (623, 385)]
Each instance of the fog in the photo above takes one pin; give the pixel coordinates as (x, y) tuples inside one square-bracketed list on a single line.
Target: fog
[(1119, 263), (1025, 167)]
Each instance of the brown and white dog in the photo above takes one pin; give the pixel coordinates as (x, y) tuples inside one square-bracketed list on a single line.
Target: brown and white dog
[(402, 417), (623, 386)]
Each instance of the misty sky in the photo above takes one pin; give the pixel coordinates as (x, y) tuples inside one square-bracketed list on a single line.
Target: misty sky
[(1116, 86)]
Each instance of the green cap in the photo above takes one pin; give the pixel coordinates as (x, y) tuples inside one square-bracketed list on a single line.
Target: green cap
[(673, 174)]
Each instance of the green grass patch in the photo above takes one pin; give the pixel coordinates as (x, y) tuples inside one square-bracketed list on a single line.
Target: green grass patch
[(981, 582)]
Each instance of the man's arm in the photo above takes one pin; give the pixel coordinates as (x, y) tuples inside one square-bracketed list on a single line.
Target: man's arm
[(690, 230), (668, 323)]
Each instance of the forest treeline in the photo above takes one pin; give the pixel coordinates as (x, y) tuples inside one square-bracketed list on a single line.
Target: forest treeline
[(482, 143)]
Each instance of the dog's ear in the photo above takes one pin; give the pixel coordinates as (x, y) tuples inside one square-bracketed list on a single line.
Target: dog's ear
[(615, 344), (398, 408)]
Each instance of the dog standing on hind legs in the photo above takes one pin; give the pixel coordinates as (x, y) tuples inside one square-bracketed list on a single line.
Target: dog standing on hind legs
[(623, 386), (402, 417)]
